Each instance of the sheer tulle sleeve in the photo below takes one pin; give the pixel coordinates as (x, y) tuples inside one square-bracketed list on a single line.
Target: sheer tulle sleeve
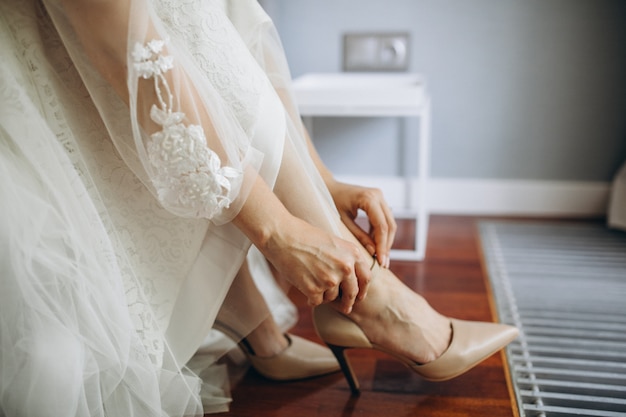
[(188, 144)]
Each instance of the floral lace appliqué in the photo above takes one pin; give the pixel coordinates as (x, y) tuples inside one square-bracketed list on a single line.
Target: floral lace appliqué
[(188, 177)]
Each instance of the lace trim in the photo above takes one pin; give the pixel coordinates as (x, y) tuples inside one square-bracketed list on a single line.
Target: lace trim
[(189, 177)]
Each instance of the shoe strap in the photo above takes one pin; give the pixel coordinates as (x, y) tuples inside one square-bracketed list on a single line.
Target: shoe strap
[(375, 267)]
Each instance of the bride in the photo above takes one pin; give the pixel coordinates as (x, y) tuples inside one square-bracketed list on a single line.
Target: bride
[(146, 146)]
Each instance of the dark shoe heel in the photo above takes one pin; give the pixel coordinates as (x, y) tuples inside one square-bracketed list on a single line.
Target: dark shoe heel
[(346, 368)]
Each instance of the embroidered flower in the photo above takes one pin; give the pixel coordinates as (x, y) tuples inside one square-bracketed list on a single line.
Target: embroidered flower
[(149, 62), (188, 176)]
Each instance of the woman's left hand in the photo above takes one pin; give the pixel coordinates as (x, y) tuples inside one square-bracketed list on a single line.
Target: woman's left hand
[(349, 199)]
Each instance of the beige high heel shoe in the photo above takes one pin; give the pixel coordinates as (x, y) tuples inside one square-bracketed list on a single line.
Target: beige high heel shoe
[(471, 343), (300, 360)]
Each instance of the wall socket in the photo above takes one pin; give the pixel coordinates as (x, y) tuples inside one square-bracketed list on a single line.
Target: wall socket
[(376, 51)]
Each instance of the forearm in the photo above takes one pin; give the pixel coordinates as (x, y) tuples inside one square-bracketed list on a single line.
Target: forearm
[(327, 176), (262, 216), (102, 28), (195, 153)]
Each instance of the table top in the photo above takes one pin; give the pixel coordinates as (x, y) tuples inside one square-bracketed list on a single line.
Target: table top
[(360, 94)]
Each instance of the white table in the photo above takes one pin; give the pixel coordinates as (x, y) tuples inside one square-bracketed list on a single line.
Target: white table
[(376, 95)]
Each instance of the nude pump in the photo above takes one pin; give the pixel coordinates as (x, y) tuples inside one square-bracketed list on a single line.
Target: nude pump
[(301, 359), (471, 343)]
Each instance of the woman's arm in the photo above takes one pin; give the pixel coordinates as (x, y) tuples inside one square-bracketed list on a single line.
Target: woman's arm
[(319, 264), (102, 28)]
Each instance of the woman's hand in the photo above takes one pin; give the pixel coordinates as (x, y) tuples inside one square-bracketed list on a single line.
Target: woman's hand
[(320, 265), (349, 199)]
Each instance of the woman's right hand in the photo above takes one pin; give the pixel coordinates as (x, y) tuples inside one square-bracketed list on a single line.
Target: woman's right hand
[(320, 265)]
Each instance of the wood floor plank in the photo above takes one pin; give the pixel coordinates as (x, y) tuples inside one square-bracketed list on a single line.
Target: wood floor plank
[(452, 279)]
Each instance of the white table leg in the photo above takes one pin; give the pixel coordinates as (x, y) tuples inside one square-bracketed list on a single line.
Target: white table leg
[(421, 217)]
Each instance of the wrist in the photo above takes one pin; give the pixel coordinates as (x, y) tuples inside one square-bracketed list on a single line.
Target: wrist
[(332, 184), (262, 217), (270, 235)]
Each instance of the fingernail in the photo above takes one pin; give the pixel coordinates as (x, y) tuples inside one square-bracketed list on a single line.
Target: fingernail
[(371, 250)]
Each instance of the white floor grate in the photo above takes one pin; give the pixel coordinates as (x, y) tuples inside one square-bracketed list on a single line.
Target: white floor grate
[(564, 286)]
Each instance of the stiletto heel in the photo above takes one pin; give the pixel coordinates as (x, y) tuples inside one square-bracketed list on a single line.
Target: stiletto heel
[(346, 368), (301, 359)]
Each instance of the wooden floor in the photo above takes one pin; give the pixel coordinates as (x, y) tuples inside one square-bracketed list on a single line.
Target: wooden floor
[(452, 279)]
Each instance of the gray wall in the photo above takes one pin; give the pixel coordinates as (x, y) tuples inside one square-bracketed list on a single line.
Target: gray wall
[(521, 89)]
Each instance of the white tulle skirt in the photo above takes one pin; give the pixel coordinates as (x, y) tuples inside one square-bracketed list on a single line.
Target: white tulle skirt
[(67, 339)]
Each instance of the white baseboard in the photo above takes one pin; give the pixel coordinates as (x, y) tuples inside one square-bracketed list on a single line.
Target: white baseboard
[(495, 197)]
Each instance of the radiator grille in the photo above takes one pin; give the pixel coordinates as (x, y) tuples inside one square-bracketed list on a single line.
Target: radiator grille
[(564, 286)]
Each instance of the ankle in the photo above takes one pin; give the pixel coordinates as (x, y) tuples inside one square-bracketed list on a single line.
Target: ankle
[(267, 340)]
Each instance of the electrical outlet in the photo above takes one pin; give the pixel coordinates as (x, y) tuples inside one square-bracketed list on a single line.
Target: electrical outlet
[(376, 51)]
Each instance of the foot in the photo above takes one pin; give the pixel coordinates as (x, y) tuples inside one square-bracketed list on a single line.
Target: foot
[(267, 340), (300, 360), (283, 357), (397, 319)]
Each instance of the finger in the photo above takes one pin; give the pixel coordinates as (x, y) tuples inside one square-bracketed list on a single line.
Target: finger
[(391, 233), (331, 294), (391, 222), (380, 228), (365, 239), (349, 292), (364, 276), (315, 299)]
